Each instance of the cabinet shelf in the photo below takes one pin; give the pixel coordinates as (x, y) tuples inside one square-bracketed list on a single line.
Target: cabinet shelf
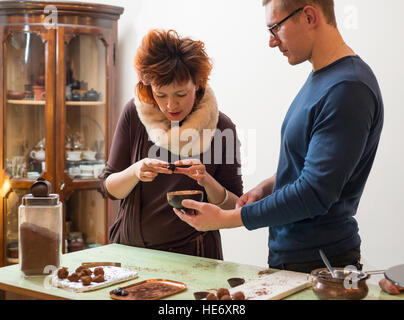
[(68, 103), (85, 103), (12, 261), (27, 102)]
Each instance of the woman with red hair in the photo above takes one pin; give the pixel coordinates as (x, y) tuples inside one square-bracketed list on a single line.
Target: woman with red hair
[(173, 119)]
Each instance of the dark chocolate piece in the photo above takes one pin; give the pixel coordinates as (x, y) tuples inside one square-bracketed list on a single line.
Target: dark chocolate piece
[(120, 292), (200, 295), (172, 166), (234, 282)]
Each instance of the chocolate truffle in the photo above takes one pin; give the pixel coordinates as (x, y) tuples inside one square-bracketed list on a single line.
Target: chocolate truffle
[(225, 297), (238, 296), (211, 296), (78, 270), (98, 271), (86, 272), (86, 280), (74, 277), (222, 292), (99, 278), (63, 273)]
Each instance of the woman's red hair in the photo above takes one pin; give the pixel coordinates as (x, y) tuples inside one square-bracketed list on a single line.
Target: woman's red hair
[(164, 58)]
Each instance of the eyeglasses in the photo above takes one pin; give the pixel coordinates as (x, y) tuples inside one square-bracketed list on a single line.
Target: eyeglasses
[(275, 28)]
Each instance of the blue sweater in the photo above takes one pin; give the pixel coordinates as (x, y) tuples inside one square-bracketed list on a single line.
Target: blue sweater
[(329, 140)]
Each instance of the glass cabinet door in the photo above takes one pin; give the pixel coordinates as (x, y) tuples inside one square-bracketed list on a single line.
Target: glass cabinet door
[(85, 105), (25, 106), (84, 130)]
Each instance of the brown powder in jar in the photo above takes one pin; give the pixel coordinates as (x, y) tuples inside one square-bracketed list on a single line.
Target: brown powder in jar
[(39, 248)]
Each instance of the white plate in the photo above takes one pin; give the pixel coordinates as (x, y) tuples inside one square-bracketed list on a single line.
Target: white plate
[(86, 175), (112, 276)]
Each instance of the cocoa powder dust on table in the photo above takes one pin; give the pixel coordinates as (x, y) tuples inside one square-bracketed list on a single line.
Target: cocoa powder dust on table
[(40, 247)]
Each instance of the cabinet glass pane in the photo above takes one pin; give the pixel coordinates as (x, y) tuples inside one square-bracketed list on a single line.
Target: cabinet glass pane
[(12, 203), (85, 220), (25, 111), (85, 107)]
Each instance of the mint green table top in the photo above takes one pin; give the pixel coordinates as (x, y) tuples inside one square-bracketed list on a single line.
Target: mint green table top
[(197, 273)]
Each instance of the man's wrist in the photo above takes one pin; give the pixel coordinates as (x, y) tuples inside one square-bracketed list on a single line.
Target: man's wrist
[(232, 218)]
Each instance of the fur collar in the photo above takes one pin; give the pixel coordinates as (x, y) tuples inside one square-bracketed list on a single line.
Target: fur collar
[(195, 134)]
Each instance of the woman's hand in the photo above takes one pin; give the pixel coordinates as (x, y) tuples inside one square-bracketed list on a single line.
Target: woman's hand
[(146, 170), (196, 171)]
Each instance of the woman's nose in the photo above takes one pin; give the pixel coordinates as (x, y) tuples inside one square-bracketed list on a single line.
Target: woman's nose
[(171, 103)]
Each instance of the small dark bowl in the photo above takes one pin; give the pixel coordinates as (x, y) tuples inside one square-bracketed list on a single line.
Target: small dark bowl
[(234, 282), (175, 198), (16, 95)]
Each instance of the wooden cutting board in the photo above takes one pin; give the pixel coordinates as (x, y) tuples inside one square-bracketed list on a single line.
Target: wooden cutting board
[(275, 286)]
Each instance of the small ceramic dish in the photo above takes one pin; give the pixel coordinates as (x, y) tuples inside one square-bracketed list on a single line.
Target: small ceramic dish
[(175, 198), (16, 95)]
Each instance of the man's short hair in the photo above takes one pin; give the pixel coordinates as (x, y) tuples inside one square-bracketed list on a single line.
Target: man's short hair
[(327, 7)]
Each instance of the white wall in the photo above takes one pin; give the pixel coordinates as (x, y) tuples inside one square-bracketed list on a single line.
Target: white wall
[(254, 85)]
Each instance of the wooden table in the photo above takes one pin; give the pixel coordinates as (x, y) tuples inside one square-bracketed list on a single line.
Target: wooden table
[(197, 273)]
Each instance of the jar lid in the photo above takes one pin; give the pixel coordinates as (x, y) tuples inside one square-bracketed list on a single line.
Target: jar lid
[(30, 200), (40, 194)]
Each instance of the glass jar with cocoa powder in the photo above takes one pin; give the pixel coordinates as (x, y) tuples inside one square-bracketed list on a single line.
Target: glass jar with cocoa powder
[(40, 231)]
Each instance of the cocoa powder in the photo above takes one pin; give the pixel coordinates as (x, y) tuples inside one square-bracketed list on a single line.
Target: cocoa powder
[(40, 247)]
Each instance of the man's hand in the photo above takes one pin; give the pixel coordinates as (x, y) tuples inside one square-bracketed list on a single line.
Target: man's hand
[(390, 287), (251, 196), (209, 217)]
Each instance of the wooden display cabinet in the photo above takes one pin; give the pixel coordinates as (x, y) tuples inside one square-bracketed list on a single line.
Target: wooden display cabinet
[(58, 113)]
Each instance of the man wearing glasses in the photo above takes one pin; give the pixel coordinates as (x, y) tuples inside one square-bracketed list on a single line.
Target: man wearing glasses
[(329, 140)]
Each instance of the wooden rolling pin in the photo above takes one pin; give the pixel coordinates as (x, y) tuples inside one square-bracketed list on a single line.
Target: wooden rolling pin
[(99, 264)]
